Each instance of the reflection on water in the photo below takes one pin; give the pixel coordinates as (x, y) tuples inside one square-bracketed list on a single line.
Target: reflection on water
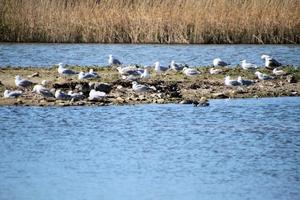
[(97, 54), (236, 149)]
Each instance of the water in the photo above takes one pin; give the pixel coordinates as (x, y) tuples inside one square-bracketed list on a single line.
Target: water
[(97, 54), (233, 149)]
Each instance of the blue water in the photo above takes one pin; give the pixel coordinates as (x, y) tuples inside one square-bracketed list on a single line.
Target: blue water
[(97, 54), (233, 149)]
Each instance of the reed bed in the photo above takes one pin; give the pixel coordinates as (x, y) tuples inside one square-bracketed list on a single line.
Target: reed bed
[(151, 21)]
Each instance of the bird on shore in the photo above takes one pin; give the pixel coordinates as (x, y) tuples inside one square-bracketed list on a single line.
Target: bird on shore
[(159, 69), (12, 93), (190, 71), (244, 82), (279, 72), (139, 88), (64, 71), (130, 70), (113, 61), (96, 95), (146, 74), (45, 82), (76, 95), (246, 66), (177, 66), (39, 89), (217, 62), (23, 83), (88, 75), (231, 82), (270, 63), (94, 73), (61, 95), (215, 71), (262, 76)]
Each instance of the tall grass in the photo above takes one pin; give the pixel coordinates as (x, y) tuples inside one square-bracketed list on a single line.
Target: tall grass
[(150, 21)]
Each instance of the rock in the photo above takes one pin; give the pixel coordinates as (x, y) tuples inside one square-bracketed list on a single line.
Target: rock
[(80, 103), (102, 87), (220, 95), (63, 104), (142, 97), (119, 87), (83, 87), (291, 79), (120, 100), (20, 101), (175, 94), (33, 75), (50, 99), (202, 103), (159, 95), (186, 101), (160, 101), (1, 83)]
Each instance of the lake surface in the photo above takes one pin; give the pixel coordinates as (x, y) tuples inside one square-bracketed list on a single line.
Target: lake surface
[(233, 149), (97, 54)]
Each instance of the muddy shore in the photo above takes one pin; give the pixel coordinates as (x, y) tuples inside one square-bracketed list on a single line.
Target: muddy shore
[(171, 87)]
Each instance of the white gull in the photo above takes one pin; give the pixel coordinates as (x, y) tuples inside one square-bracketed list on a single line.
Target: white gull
[(39, 89), (96, 95), (22, 82), (190, 72), (12, 94), (270, 62), (64, 71), (113, 61), (231, 82), (218, 62), (245, 65), (262, 76), (244, 82)]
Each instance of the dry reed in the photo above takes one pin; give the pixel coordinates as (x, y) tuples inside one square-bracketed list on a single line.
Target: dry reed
[(150, 21)]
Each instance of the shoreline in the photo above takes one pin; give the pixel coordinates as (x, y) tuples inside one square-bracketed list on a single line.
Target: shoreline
[(171, 87)]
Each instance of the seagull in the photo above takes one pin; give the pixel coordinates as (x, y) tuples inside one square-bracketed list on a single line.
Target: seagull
[(262, 76), (247, 66), (215, 71), (12, 94), (64, 71), (45, 82), (39, 89), (93, 73), (159, 69), (176, 66), (83, 75), (62, 96), (190, 72), (130, 70), (140, 88), (244, 82), (270, 62), (131, 77), (22, 82), (96, 95), (76, 95), (146, 74), (279, 72), (230, 82), (218, 62), (113, 61)]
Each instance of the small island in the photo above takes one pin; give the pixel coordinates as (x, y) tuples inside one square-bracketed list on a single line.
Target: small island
[(168, 87)]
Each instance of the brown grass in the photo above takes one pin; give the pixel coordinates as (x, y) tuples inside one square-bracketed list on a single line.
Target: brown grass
[(150, 21)]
